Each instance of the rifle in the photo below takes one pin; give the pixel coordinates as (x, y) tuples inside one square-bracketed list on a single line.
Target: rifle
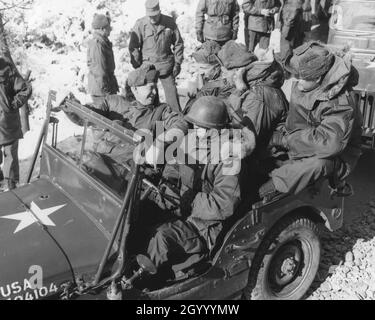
[(25, 111)]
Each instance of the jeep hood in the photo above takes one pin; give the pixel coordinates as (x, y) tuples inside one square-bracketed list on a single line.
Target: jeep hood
[(43, 233)]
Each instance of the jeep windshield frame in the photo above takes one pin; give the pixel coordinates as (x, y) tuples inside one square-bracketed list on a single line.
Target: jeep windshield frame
[(122, 224)]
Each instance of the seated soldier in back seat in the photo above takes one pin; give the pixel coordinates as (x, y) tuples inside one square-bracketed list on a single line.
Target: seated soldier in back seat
[(322, 133), (225, 61)]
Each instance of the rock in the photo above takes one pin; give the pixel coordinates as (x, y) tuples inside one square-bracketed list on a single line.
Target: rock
[(357, 262), (370, 294), (325, 287), (332, 269), (349, 257), (336, 285)]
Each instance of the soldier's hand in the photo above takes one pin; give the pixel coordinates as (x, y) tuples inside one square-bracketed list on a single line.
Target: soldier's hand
[(265, 12), (239, 79), (278, 140), (176, 70), (200, 37)]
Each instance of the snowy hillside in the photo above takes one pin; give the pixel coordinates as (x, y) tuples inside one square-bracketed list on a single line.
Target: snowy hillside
[(52, 38)]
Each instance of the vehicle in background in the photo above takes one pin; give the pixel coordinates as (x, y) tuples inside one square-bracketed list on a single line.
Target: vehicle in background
[(352, 25)]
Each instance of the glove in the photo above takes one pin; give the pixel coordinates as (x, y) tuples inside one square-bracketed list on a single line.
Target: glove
[(235, 36), (200, 37), (176, 70), (278, 140)]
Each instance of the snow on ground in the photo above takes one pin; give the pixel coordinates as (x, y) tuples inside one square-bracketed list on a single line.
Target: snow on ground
[(54, 48)]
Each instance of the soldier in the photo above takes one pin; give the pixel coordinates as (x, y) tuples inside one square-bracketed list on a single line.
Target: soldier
[(155, 39), (108, 154), (100, 60), (208, 195), (14, 94), (222, 22), (143, 113), (322, 133), (220, 81), (261, 21), (256, 92), (292, 27)]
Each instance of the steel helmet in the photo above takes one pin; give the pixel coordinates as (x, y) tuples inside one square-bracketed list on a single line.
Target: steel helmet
[(208, 112)]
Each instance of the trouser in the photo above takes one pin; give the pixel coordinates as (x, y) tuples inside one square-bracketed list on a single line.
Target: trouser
[(9, 159), (258, 37), (170, 91), (175, 242), (296, 175)]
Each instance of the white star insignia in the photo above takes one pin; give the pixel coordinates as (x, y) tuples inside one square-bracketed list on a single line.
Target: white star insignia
[(35, 214)]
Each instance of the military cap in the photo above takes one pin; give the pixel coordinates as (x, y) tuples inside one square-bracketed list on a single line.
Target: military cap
[(152, 7), (142, 76), (235, 55), (206, 53), (100, 21), (310, 61)]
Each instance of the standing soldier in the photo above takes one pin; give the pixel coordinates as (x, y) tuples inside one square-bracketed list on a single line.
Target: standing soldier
[(261, 21), (221, 25), (292, 27), (151, 42), (14, 94), (100, 60)]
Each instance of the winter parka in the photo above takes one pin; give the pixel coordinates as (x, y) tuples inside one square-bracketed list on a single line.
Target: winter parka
[(160, 45), (264, 104), (101, 64), (14, 93), (325, 123)]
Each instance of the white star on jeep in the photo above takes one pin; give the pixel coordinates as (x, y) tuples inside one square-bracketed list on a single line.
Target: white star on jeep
[(35, 214)]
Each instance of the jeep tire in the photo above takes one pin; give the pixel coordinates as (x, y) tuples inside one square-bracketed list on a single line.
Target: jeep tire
[(286, 262)]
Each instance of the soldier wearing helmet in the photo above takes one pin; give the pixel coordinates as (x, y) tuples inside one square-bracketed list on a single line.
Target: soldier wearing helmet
[(208, 196), (322, 133)]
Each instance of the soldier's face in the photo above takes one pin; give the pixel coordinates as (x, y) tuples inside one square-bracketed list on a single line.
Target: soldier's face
[(307, 86), (146, 94), (155, 19), (107, 30)]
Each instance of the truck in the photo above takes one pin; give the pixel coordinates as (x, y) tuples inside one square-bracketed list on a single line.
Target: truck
[(352, 25)]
